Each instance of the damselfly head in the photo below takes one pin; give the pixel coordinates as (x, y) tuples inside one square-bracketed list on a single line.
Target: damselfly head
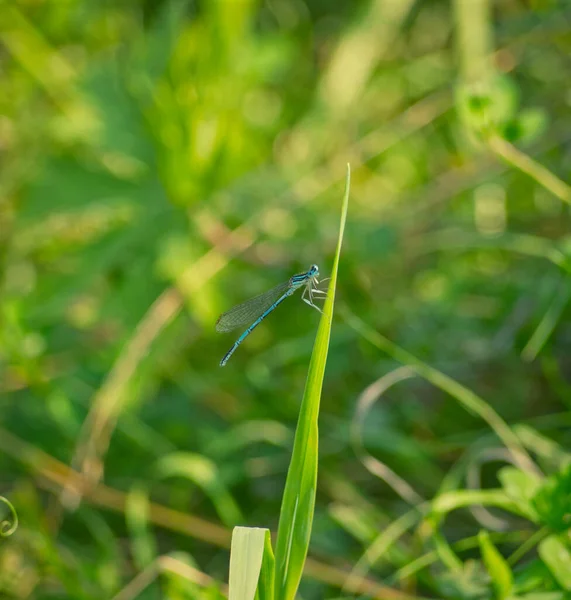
[(313, 271)]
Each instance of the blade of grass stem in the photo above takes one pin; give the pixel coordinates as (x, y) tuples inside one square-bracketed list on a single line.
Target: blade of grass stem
[(298, 502)]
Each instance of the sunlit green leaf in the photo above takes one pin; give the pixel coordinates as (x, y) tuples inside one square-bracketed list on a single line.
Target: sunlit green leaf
[(265, 589), (520, 487), (496, 566), (553, 501), (557, 556), (532, 122), (247, 560)]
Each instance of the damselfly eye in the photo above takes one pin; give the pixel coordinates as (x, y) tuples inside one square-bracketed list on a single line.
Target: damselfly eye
[(314, 270)]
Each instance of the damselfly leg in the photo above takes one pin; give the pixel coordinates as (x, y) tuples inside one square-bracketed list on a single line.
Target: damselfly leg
[(316, 290), (308, 290)]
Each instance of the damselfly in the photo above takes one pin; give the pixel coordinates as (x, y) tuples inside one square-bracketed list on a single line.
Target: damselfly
[(256, 309)]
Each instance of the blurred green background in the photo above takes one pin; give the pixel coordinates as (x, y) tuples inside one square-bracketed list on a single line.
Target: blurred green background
[(161, 161)]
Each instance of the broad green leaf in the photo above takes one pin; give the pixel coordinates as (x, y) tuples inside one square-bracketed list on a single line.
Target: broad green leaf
[(553, 501), (298, 502), (122, 128), (520, 486), (249, 545), (532, 122), (557, 557), (151, 60), (204, 473), (488, 105), (496, 566), (532, 576)]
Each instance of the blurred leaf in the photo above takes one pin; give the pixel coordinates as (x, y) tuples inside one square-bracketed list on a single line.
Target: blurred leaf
[(553, 501), (531, 124), (123, 131), (533, 577), (71, 186), (143, 545), (109, 564), (177, 255), (557, 557), (355, 521), (521, 487), (549, 321), (496, 566), (372, 240), (153, 56), (488, 106), (551, 453), (182, 579), (204, 473), (449, 501), (467, 583)]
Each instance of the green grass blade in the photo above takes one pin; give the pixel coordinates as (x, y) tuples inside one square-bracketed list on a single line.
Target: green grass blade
[(298, 502), (266, 579), (246, 560), (548, 322), (497, 567), (556, 556)]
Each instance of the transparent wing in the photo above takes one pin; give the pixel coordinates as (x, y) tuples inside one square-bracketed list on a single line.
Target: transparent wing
[(247, 312)]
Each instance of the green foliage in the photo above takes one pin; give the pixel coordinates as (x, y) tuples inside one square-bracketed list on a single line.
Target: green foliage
[(467, 582), (497, 567), (162, 161), (493, 107), (553, 501), (521, 488), (556, 554)]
